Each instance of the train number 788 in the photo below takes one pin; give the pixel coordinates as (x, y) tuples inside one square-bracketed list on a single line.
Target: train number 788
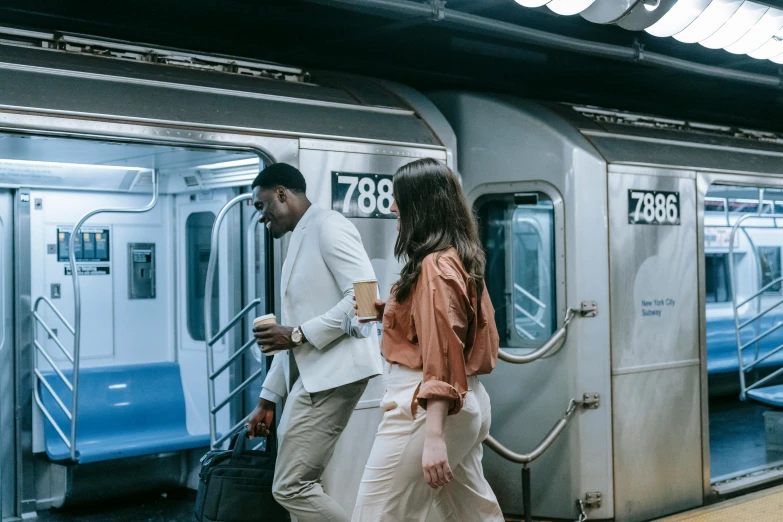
[(650, 207), (362, 195)]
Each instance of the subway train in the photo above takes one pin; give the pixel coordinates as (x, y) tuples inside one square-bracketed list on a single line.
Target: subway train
[(633, 261)]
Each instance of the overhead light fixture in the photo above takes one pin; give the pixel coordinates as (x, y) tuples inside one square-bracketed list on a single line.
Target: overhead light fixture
[(754, 28), (772, 48), (761, 33), (680, 16), (746, 17), (54, 174), (244, 162), (532, 3), (708, 22), (569, 7)]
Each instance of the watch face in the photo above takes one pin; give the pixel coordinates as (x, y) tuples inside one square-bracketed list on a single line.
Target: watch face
[(296, 335)]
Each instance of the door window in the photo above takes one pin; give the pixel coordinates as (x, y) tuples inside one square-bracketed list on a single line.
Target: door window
[(198, 233)]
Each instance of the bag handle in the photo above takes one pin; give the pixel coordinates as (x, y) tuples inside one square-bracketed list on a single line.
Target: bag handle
[(239, 442)]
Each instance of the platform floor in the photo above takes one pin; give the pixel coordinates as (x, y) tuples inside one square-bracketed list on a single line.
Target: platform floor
[(762, 506)]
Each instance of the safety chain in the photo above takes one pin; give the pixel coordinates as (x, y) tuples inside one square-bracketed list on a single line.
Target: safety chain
[(580, 504)]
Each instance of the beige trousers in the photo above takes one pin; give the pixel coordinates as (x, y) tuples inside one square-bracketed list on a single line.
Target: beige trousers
[(309, 428), (393, 487)]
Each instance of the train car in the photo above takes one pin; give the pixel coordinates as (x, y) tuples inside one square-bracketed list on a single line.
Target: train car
[(133, 264), (638, 219), (132, 261)]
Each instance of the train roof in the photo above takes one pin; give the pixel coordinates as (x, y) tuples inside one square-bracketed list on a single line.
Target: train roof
[(128, 84), (629, 138)]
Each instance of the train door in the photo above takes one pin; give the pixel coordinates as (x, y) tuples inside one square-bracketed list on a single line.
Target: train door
[(743, 298), (7, 394), (195, 215), (656, 382), (355, 180)]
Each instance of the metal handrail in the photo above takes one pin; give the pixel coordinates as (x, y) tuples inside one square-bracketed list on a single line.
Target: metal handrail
[(77, 298), (212, 374), (589, 401), (39, 376), (234, 321), (761, 314), (556, 340), (738, 326), (551, 437)]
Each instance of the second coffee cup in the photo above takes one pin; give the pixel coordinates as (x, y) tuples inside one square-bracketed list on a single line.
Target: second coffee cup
[(266, 319)]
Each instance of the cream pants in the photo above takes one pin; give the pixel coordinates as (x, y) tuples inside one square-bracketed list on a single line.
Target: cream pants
[(393, 487)]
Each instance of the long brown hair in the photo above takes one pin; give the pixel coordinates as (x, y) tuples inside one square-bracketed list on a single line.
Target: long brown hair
[(434, 216)]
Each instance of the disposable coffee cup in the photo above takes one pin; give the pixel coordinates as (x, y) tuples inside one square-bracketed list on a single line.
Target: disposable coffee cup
[(366, 293), (266, 319)]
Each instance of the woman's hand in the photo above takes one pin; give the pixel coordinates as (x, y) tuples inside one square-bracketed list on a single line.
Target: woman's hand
[(435, 459), (380, 307), (435, 462)]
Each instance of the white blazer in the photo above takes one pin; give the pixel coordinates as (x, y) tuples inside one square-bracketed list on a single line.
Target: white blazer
[(325, 256)]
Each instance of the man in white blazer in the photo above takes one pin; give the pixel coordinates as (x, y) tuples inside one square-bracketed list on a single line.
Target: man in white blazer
[(323, 370)]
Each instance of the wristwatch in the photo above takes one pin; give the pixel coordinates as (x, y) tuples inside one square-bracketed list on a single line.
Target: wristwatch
[(297, 337)]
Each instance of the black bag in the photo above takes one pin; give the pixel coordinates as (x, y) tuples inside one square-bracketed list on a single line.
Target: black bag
[(235, 485)]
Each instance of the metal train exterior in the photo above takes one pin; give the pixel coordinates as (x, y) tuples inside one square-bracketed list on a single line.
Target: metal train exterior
[(610, 294)]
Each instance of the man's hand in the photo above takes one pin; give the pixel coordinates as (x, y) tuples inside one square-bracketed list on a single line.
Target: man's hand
[(261, 419), (271, 337)]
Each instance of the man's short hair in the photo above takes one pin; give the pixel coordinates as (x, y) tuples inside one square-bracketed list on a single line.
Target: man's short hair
[(281, 175)]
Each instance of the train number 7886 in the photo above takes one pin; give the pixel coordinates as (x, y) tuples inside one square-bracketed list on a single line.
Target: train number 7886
[(653, 207)]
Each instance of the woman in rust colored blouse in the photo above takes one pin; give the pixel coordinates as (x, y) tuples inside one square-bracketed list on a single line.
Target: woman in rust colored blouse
[(439, 334)]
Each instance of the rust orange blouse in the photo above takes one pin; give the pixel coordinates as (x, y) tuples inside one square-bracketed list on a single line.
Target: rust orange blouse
[(442, 329)]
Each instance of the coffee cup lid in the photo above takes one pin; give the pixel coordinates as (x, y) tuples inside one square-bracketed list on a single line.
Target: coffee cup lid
[(263, 317)]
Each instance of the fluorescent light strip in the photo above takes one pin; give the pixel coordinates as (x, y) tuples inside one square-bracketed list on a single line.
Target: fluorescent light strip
[(772, 48), (232, 163), (56, 164), (532, 3), (708, 23), (680, 16), (738, 26), (762, 32), (746, 17), (569, 7)]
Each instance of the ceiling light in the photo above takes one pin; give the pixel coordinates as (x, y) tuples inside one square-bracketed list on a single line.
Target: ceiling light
[(762, 32), (772, 48), (680, 16), (569, 7), (233, 163), (708, 23), (746, 17), (778, 59), (532, 3), (607, 11)]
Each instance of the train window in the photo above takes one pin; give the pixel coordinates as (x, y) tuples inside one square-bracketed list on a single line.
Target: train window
[(518, 237), (769, 259), (716, 271), (198, 237)]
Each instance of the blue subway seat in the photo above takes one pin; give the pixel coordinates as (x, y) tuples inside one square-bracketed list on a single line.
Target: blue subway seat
[(124, 411), (722, 341)]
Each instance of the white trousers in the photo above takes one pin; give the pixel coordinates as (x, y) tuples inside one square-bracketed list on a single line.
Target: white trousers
[(393, 487)]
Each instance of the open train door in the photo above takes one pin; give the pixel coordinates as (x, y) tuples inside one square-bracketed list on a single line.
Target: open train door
[(7, 380)]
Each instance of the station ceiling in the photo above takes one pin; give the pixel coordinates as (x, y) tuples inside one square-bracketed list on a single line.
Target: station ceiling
[(428, 53)]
